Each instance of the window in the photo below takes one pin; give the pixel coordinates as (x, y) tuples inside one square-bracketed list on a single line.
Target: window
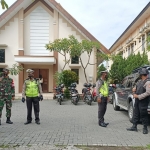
[(77, 72), (75, 60), (143, 42), (132, 48), (2, 56)]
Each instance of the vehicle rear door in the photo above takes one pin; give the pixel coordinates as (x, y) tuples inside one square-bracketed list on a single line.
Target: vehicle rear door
[(121, 91), (127, 91)]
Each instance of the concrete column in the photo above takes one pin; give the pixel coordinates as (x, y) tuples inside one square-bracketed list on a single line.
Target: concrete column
[(56, 36), (95, 66), (21, 79), (20, 46), (20, 30)]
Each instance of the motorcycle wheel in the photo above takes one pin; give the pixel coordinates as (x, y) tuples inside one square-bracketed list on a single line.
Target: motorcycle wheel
[(60, 101), (90, 103), (95, 98), (75, 103)]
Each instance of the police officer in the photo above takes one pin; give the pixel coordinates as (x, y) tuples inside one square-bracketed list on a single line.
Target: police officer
[(7, 94), (142, 95), (33, 92), (102, 97)]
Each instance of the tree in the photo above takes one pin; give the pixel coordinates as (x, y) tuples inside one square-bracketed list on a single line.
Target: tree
[(99, 69), (3, 4), (62, 46), (83, 48), (148, 43), (117, 71), (122, 67), (73, 48), (67, 77)]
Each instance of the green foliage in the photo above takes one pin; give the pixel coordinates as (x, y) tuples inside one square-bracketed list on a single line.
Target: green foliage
[(99, 69), (66, 93), (69, 77), (3, 4), (122, 67), (58, 76), (148, 43), (72, 47), (15, 69), (66, 77)]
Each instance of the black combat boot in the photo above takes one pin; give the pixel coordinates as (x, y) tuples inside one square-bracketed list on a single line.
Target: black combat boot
[(9, 121), (145, 130), (0, 121), (133, 128)]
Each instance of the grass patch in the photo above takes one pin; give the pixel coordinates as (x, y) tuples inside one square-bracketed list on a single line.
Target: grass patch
[(29, 145), (148, 147), (111, 147), (4, 146)]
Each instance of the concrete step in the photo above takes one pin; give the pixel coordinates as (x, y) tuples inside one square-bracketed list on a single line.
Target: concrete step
[(45, 95)]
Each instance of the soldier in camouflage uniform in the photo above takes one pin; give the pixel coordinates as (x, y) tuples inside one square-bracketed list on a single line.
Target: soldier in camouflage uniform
[(7, 94), (33, 92)]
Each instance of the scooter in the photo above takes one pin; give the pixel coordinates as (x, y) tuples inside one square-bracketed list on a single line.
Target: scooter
[(74, 94), (59, 93), (94, 93), (87, 95)]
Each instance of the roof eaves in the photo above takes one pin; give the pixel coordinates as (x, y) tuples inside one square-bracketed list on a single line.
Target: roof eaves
[(145, 8), (10, 9), (76, 23)]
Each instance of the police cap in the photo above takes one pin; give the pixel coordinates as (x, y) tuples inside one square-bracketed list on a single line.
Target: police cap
[(105, 71), (143, 71), (29, 71)]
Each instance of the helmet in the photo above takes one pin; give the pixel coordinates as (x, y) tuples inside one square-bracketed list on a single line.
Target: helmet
[(5, 70), (143, 71), (105, 71), (85, 84), (89, 85), (29, 71), (94, 85), (74, 85), (62, 85)]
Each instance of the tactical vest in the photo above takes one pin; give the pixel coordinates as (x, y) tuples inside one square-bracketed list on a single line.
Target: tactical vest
[(104, 89), (32, 89), (140, 89)]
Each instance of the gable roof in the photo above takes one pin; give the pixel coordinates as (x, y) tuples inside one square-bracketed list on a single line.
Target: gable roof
[(62, 11)]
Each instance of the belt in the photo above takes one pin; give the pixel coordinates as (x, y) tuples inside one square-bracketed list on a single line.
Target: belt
[(104, 96)]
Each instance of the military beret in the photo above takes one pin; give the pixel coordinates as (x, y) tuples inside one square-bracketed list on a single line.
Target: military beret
[(5, 69), (29, 71)]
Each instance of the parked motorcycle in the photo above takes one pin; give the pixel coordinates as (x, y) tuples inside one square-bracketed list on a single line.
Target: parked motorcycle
[(74, 94), (94, 93), (87, 93), (59, 93)]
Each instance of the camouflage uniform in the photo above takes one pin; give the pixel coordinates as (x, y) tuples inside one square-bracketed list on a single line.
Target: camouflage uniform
[(7, 91)]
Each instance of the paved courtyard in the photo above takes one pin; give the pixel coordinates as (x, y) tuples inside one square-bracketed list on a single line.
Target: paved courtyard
[(68, 124)]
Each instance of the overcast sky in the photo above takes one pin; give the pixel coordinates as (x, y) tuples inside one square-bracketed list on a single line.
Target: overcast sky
[(104, 19)]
